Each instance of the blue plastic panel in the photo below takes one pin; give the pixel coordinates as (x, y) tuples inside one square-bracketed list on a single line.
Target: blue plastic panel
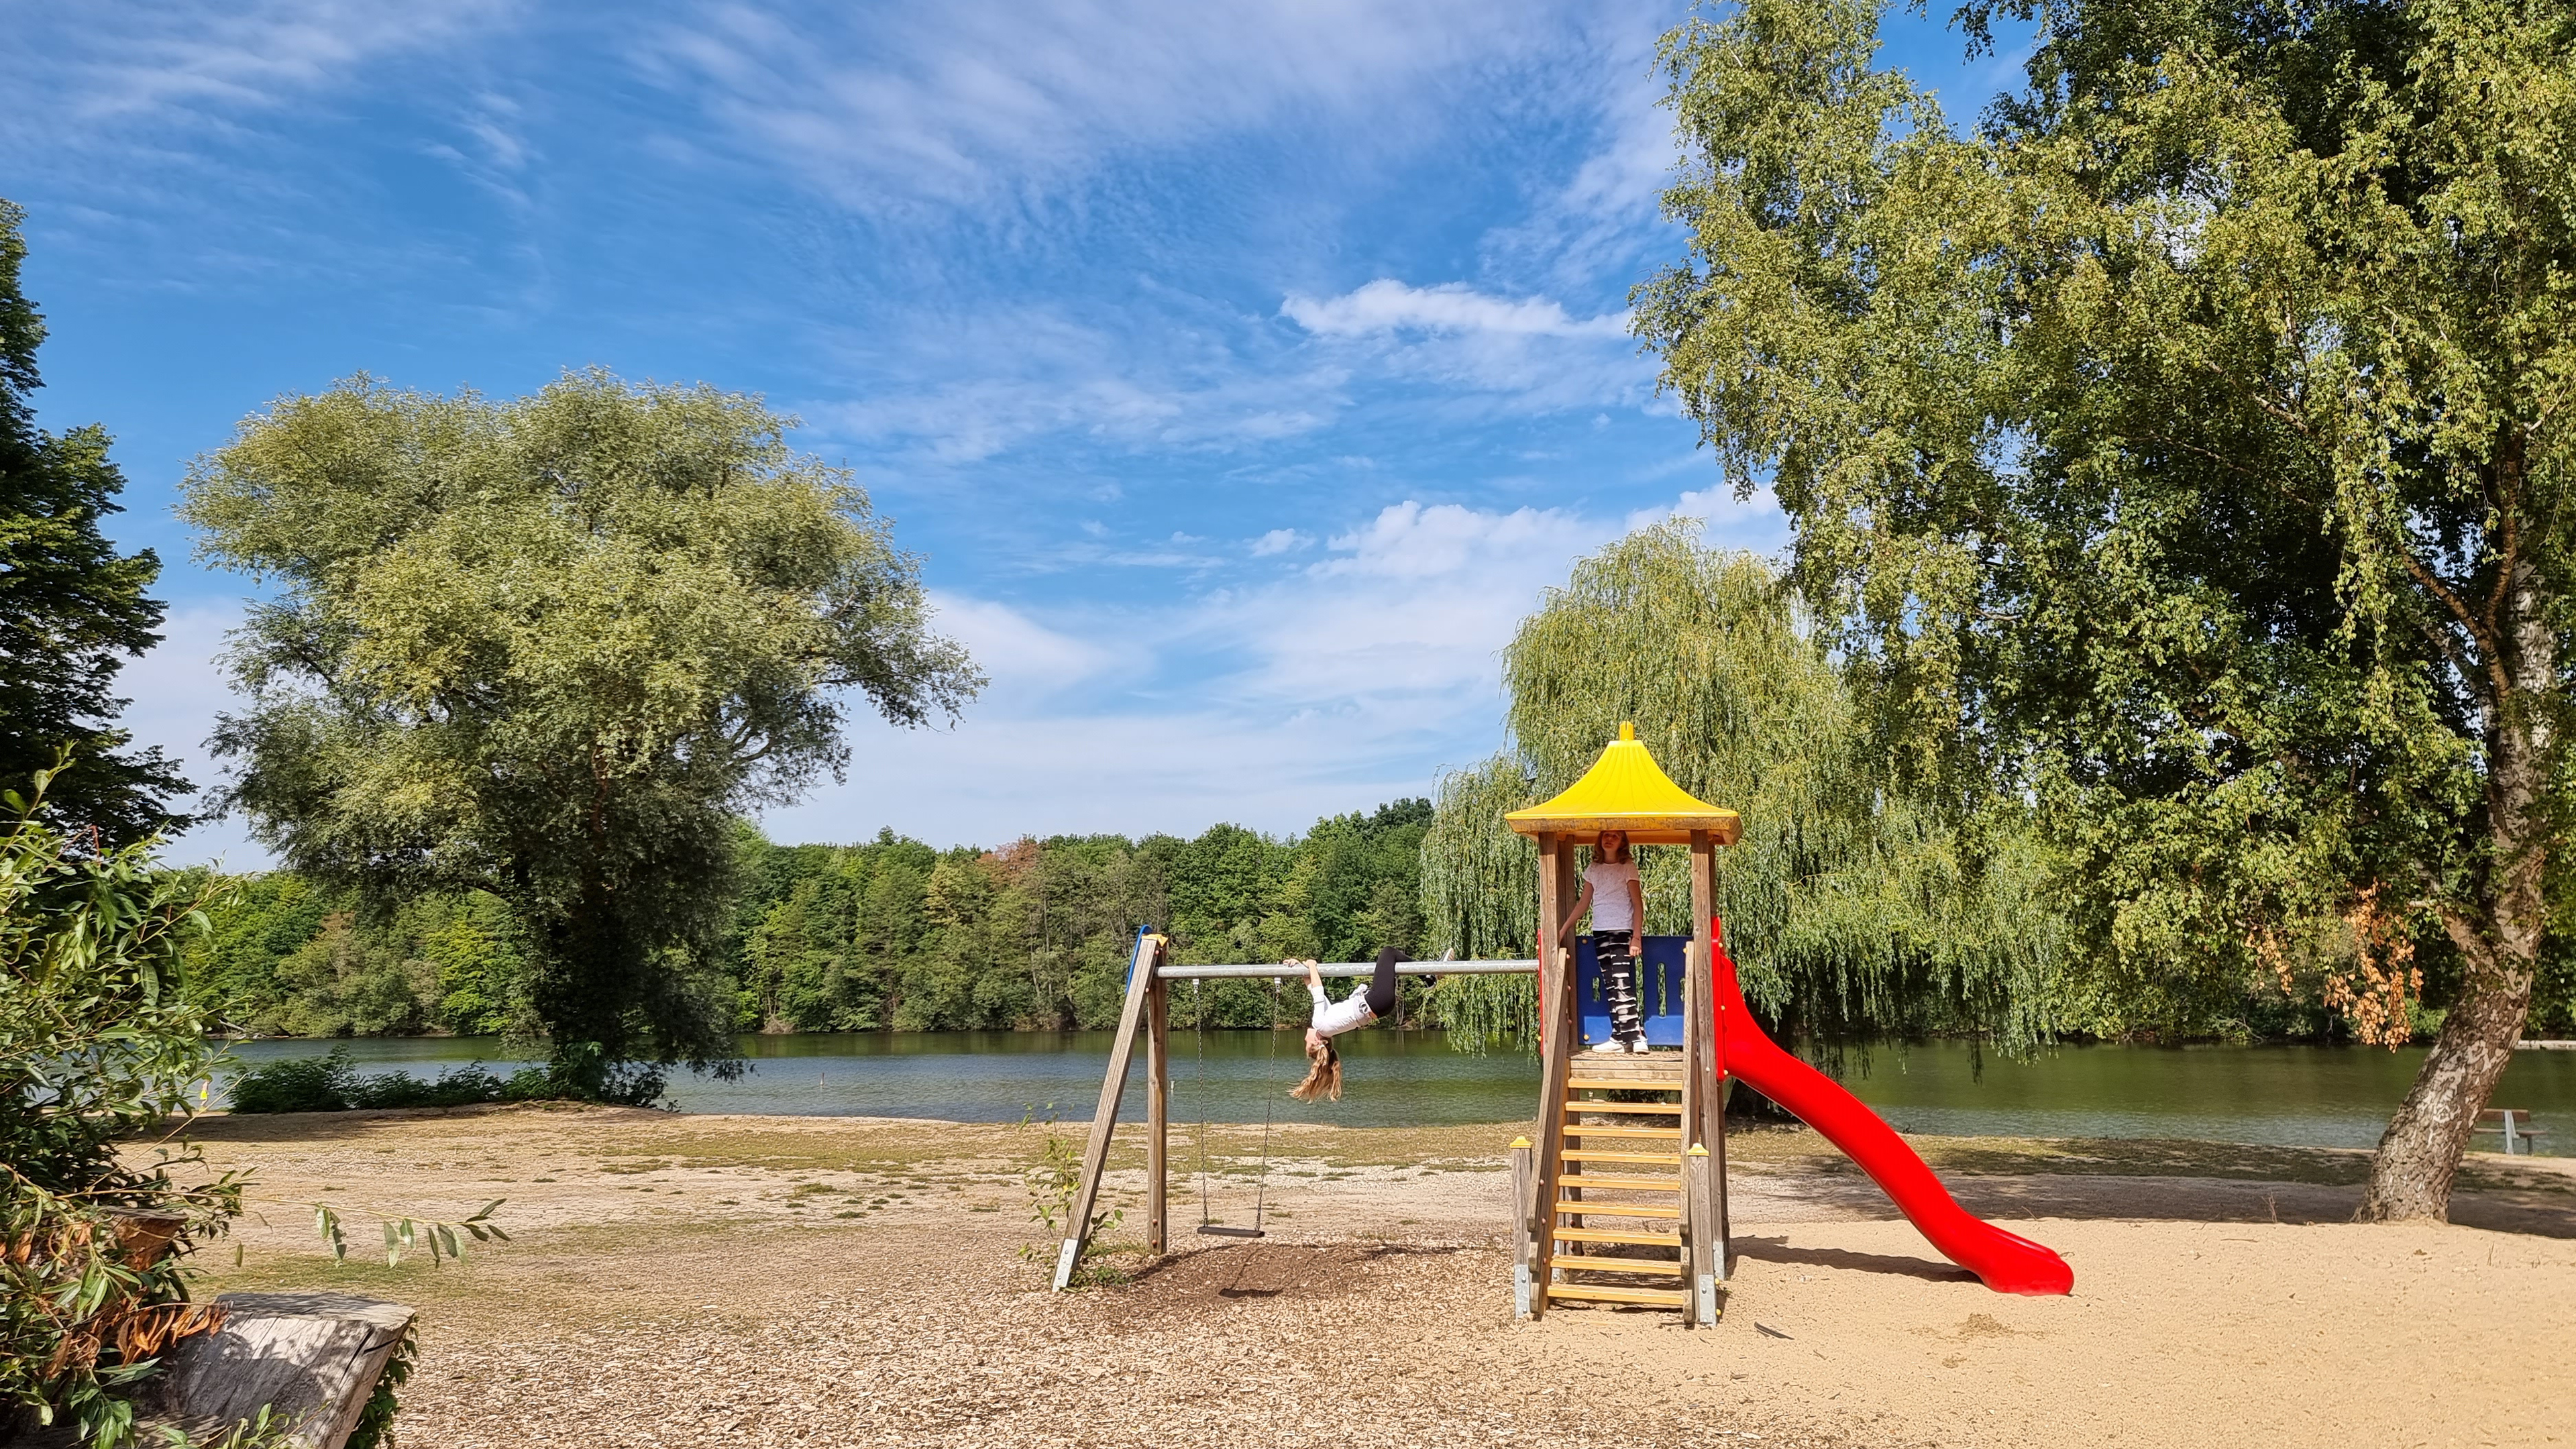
[(1660, 984)]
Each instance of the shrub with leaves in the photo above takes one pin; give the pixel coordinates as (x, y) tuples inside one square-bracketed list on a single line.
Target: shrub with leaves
[(96, 1045), (331, 1083)]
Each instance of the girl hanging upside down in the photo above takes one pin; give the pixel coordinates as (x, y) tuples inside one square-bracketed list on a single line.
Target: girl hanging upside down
[(1332, 1018)]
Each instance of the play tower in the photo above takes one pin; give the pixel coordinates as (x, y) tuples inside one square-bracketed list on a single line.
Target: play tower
[(1630, 1162)]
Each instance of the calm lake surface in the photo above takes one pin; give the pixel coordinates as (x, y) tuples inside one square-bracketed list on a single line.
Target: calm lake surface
[(2289, 1096)]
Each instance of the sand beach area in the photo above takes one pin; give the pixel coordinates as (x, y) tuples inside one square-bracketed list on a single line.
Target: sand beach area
[(701, 1280)]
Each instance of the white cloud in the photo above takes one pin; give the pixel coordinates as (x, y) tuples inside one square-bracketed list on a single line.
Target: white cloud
[(101, 65), (956, 103), (1022, 657), (1389, 306), (1531, 352), (1754, 522), (1279, 540), (1029, 372), (1350, 681), (1602, 222)]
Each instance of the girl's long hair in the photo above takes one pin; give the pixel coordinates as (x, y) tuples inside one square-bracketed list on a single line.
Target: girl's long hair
[(1627, 852), (1323, 1076)]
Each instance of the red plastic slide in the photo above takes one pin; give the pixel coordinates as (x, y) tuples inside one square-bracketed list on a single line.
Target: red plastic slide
[(2008, 1263)]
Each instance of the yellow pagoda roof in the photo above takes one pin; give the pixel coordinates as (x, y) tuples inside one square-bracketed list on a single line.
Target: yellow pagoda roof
[(1626, 790)]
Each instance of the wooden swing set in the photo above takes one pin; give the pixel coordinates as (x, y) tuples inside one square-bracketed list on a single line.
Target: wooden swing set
[(1600, 1144)]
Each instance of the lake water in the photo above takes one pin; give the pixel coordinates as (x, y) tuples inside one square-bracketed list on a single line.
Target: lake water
[(2285, 1095)]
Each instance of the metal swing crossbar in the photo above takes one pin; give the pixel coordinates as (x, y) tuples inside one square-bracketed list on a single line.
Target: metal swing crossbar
[(1147, 1015), (1346, 968)]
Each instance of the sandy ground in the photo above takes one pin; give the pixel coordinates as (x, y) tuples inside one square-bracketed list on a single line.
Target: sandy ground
[(689, 1280)]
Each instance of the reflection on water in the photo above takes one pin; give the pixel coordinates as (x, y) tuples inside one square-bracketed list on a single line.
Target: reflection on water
[(2290, 1096)]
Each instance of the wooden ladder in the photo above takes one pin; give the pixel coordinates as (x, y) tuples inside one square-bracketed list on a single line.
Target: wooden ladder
[(1614, 1232)]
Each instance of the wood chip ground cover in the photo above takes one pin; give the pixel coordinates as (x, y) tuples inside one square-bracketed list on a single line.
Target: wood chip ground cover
[(822, 1281)]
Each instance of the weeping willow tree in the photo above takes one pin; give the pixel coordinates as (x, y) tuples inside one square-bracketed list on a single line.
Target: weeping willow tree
[(1852, 908)]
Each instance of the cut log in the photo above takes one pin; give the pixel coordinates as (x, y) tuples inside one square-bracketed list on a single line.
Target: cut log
[(311, 1359)]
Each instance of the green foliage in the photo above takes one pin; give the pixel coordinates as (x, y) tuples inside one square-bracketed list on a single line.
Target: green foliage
[(1053, 1184), (2130, 442), (1851, 907), (2184, 452), (549, 648), (889, 934), (403, 1235), (71, 607), (287, 957), (97, 1044), (331, 1083), (375, 1426)]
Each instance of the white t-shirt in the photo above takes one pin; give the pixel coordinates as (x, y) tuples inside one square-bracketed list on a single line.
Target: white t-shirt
[(1612, 909), (1333, 1018)]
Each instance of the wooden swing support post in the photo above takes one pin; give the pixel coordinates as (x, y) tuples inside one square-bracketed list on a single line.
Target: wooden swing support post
[(1147, 1014), (1144, 986)]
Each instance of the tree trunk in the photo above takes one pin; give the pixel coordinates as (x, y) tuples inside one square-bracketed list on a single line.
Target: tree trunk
[(2410, 1177), (2419, 1154)]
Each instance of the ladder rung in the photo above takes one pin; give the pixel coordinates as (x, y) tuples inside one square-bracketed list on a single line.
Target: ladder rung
[(1662, 1134), (1648, 1184), (1571, 1153), (1660, 1297), (1604, 1208), (1604, 1235), (1655, 1109), (1586, 1263), (1622, 1084)]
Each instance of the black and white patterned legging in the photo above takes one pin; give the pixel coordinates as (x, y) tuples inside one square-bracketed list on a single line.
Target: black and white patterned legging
[(1619, 982)]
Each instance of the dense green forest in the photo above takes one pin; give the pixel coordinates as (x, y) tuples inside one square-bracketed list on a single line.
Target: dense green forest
[(890, 934), (896, 935)]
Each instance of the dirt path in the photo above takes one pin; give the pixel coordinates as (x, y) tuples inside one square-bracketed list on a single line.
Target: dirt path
[(830, 1281)]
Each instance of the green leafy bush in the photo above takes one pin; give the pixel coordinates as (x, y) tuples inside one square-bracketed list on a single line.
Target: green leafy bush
[(97, 1046), (331, 1083)]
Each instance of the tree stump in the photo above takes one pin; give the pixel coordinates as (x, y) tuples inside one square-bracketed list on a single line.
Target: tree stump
[(312, 1359)]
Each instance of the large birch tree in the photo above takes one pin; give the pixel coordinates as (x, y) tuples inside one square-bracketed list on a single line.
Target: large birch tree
[(2186, 449)]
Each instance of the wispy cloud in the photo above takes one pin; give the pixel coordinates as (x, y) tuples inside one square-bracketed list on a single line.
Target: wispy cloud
[(1263, 700), (1011, 374), (957, 103), (1531, 350), (1386, 306), (81, 70)]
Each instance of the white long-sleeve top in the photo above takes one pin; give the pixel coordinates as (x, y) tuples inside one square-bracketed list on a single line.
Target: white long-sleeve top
[(1332, 1018)]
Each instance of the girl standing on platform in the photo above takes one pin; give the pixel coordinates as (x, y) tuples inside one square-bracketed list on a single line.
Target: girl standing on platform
[(1332, 1018), (1617, 900)]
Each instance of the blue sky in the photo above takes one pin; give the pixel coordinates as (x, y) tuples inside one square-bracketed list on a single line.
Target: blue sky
[(1241, 372)]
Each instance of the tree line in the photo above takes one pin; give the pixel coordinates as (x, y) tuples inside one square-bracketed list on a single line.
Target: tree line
[(891, 934)]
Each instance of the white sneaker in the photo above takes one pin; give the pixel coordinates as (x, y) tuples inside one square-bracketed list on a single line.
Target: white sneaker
[(1612, 1047), (1639, 1046)]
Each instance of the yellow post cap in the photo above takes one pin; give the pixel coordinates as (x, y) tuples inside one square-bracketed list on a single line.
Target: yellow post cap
[(1520, 1142), (1699, 1149)]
